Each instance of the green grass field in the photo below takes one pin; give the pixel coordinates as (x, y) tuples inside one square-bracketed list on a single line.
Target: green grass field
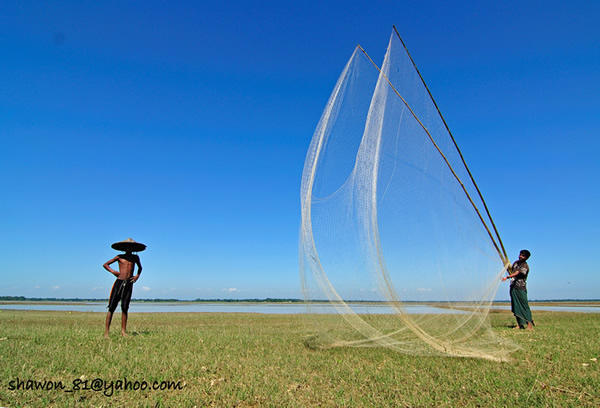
[(226, 360)]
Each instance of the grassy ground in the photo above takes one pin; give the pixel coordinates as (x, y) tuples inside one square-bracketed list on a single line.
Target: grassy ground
[(244, 360)]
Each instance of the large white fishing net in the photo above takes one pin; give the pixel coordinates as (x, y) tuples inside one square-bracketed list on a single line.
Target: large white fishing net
[(391, 216)]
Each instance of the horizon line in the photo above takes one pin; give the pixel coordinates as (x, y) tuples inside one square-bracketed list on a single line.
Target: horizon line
[(267, 299)]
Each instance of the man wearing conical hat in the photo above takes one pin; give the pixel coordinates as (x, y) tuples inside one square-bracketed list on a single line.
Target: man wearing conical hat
[(123, 287)]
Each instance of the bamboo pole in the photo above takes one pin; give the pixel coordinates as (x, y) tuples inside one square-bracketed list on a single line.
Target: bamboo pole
[(505, 259), (503, 256)]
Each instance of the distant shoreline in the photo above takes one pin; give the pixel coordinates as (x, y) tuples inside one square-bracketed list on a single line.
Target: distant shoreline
[(23, 299)]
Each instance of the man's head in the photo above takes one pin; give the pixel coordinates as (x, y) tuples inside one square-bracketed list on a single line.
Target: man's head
[(525, 254)]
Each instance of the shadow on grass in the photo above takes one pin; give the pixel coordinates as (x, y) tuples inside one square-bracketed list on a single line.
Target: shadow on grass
[(140, 332)]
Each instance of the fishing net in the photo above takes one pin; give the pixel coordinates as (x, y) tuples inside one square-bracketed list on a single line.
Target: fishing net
[(391, 219)]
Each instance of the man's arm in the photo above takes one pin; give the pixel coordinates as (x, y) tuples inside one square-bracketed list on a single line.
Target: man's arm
[(512, 275), (108, 268), (139, 270), (515, 272)]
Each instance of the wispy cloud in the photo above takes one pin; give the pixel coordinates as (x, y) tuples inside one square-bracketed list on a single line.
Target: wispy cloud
[(231, 290), (57, 287), (145, 288), (423, 289)]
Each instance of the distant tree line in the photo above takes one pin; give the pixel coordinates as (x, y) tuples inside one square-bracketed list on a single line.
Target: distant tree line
[(51, 299)]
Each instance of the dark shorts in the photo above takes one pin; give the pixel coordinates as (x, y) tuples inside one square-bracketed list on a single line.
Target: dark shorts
[(121, 291)]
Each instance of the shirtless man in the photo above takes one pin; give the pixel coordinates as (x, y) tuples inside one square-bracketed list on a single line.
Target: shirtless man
[(123, 287)]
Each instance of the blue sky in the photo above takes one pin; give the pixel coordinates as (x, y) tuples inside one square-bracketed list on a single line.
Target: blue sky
[(185, 125)]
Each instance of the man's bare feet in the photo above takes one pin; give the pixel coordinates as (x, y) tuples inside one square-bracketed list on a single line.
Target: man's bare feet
[(106, 335), (516, 328)]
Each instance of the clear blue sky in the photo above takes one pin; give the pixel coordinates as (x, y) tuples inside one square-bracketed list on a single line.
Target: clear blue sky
[(185, 125)]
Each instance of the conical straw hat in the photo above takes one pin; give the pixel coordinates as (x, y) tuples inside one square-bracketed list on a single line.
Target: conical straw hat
[(128, 245)]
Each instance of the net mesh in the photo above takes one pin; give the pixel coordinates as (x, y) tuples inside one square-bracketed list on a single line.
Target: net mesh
[(389, 217)]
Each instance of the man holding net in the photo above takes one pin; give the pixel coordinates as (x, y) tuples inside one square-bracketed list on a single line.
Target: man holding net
[(519, 304)]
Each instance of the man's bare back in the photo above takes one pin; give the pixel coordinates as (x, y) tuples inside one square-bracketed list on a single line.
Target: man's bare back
[(127, 264)]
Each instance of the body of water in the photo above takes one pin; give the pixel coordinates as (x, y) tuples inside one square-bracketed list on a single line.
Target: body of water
[(265, 308)]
